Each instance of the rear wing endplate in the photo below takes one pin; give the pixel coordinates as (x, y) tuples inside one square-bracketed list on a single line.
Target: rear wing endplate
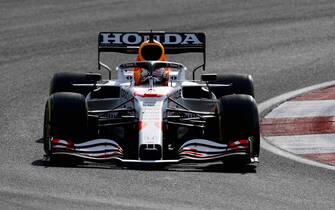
[(173, 42)]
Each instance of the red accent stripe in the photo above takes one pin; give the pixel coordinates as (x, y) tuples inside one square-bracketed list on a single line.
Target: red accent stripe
[(159, 125), (149, 95), (297, 126), (197, 154), (327, 158), (140, 125), (322, 94), (108, 155), (244, 141), (56, 141), (239, 143)]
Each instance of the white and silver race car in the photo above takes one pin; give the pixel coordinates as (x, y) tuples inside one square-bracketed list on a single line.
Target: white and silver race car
[(159, 119)]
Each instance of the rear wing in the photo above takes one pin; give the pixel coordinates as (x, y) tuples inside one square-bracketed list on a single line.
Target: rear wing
[(173, 43)]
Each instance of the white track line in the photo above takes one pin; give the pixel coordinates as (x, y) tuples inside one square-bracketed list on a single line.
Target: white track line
[(265, 106), (305, 144), (315, 108)]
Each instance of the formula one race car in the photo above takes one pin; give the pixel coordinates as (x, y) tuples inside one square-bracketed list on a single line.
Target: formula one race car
[(151, 113)]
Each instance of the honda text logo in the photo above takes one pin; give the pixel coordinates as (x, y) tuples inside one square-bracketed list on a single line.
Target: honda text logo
[(136, 39)]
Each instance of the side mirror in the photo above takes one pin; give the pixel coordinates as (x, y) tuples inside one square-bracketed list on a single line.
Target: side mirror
[(93, 77), (208, 77)]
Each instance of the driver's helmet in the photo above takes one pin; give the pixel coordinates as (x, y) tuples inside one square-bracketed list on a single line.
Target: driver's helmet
[(151, 51)]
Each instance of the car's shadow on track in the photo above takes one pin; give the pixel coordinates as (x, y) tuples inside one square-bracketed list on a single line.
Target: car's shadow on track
[(47, 164), (212, 168), (217, 167), (40, 140)]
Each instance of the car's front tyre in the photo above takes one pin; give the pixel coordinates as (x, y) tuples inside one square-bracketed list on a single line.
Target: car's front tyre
[(240, 120), (65, 118), (239, 84), (64, 82)]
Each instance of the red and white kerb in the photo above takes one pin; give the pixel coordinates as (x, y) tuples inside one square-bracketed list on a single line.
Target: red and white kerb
[(304, 125)]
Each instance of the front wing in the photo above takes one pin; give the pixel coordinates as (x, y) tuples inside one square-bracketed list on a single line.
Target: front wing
[(195, 150)]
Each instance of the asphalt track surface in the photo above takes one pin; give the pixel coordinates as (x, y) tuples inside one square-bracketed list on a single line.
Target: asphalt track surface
[(285, 45)]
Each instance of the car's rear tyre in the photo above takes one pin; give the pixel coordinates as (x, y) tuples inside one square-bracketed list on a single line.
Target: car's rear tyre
[(62, 82), (240, 120), (240, 84), (65, 118)]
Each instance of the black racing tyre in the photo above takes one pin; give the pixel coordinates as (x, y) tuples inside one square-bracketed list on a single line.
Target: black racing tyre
[(65, 118), (240, 120), (240, 84), (46, 130), (62, 82)]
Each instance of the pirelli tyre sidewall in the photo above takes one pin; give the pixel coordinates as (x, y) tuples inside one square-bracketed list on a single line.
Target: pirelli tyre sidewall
[(65, 118), (62, 82), (240, 84), (240, 120)]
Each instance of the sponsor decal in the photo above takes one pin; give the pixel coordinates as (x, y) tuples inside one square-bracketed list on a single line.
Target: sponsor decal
[(110, 38)]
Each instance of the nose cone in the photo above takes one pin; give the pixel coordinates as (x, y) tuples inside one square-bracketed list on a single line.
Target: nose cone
[(150, 152)]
